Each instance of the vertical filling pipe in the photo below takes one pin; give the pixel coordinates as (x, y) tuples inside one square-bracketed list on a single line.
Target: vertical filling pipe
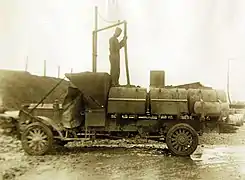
[(94, 63), (126, 54)]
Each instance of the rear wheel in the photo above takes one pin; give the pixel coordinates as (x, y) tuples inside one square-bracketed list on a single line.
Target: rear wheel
[(37, 139), (182, 139)]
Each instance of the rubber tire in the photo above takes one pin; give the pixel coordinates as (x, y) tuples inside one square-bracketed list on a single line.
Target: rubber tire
[(194, 136), (46, 130)]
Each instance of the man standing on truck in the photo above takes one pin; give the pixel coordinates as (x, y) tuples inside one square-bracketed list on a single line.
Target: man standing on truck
[(114, 56)]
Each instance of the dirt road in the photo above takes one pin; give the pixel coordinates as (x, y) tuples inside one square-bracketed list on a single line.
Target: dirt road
[(224, 160)]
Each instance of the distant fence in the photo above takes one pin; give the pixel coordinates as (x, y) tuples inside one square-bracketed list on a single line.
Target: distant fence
[(45, 68)]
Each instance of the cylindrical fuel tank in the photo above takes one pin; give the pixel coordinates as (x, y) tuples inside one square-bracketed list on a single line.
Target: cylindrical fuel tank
[(207, 95), (221, 95), (207, 101), (210, 108), (127, 100), (168, 101)]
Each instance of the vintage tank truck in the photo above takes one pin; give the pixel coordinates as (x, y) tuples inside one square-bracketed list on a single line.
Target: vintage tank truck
[(95, 109)]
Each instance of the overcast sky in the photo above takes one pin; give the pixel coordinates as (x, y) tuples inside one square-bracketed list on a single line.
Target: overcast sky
[(191, 40)]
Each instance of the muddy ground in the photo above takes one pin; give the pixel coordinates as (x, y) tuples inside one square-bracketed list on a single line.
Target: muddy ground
[(218, 157)]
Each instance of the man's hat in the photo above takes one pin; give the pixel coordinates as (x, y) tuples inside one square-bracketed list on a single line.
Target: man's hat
[(118, 29)]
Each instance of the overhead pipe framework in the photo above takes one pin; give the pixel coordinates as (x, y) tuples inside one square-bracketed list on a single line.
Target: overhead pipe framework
[(95, 39)]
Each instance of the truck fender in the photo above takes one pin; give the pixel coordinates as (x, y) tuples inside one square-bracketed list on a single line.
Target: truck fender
[(50, 123)]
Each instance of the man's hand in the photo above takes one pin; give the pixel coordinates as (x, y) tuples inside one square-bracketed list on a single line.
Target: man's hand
[(123, 42)]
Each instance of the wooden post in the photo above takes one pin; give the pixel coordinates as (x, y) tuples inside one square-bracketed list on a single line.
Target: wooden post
[(44, 68), (94, 64), (58, 71), (26, 65), (228, 81)]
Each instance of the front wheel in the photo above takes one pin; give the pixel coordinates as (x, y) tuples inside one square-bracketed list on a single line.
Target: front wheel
[(182, 139), (37, 139)]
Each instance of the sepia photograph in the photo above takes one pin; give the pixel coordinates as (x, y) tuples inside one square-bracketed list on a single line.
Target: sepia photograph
[(122, 90)]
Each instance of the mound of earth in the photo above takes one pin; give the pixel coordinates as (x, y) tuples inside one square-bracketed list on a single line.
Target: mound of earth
[(19, 87)]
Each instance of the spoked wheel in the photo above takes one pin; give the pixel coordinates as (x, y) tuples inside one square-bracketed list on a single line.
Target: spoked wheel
[(37, 139), (182, 140)]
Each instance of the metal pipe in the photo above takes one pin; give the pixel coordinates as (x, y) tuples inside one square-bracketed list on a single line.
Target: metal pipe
[(94, 64), (108, 27), (95, 43), (94, 35), (126, 54)]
